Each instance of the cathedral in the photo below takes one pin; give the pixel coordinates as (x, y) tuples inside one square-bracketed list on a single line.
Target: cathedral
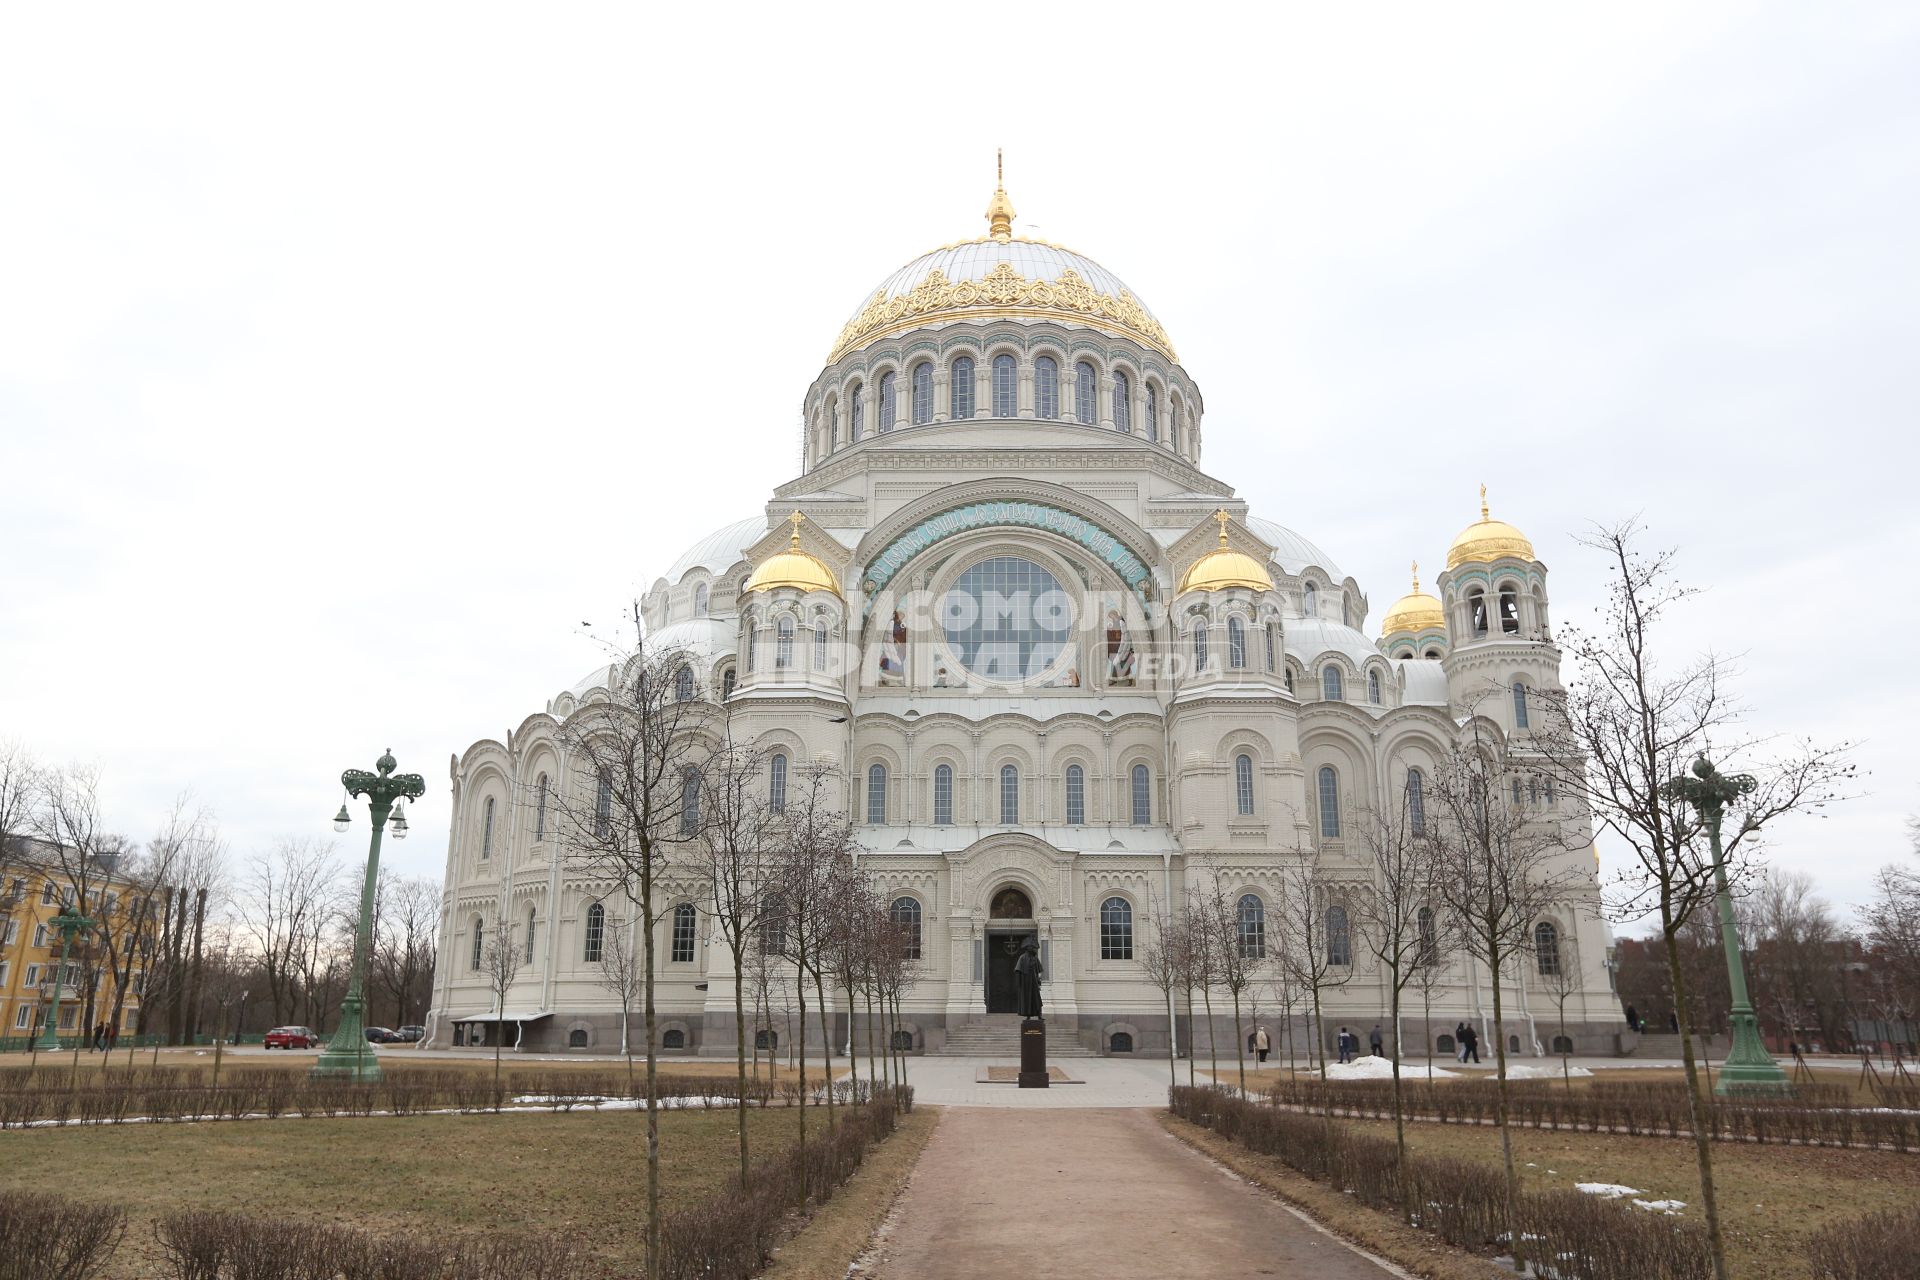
[(1063, 678)]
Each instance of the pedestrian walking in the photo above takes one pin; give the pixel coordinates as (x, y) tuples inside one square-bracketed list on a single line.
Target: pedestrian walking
[(1633, 1019), (1345, 1045), (1673, 1021), (1261, 1042), (1375, 1042), (1473, 1046), (1460, 1042), (99, 1036)]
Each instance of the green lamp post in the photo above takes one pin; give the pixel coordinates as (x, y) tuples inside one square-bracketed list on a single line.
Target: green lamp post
[(70, 923), (1749, 1067), (346, 1056)]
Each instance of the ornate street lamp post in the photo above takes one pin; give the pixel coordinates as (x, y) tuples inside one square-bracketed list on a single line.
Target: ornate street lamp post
[(1749, 1067), (70, 923), (346, 1054)]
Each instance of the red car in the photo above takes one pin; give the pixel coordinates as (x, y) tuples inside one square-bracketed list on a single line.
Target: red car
[(292, 1038)]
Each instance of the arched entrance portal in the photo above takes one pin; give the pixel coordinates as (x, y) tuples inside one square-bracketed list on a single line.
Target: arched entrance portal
[(1009, 924)]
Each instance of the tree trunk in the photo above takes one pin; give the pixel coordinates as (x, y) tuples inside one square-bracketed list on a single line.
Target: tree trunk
[(1399, 1105), (800, 985), (826, 1043), (1506, 1134), (193, 988), (653, 1070), (1702, 1150), (1193, 1053), (740, 1052), (1239, 1042), (1213, 1050)]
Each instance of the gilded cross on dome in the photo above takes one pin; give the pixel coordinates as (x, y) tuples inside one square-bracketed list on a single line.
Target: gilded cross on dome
[(1222, 516), (796, 520)]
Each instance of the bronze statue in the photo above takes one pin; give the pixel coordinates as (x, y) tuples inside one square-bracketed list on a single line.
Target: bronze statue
[(1027, 972)]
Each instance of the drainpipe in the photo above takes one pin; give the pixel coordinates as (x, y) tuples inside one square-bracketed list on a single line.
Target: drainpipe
[(1173, 1024)]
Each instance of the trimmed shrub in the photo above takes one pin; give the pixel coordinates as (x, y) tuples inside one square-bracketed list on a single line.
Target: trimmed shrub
[(1880, 1246), (49, 1237)]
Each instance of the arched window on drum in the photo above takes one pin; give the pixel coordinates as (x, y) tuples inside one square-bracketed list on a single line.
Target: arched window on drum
[(905, 913), (1006, 387), (1122, 401), (1046, 388), (960, 389)]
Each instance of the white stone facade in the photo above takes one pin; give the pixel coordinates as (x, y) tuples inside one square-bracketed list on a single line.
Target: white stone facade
[(1129, 782)]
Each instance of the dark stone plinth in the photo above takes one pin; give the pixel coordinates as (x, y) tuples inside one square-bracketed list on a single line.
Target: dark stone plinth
[(1033, 1053)]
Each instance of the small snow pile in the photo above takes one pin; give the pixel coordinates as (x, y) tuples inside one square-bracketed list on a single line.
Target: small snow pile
[(1545, 1073), (1381, 1069), (1671, 1208), (1611, 1190)]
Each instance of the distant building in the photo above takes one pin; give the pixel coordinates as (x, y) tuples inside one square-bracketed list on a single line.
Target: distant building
[(33, 890)]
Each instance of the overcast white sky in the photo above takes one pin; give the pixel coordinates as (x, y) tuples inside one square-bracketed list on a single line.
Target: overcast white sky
[(351, 358)]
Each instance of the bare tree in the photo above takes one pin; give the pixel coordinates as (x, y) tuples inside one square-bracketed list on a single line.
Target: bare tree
[(1237, 953), (1892, 922), (406, 926), (632, 816), (286, 902), (1392, 913), (1316, 948), (618, 969), (1626, 729), (741, 809), (1161, 958), (500, 960), (1560, 974), (21, 786), (1501, 864), (70, 828)]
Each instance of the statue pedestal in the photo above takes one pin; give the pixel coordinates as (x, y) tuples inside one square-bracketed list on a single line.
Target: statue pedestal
[(1033, 1053)]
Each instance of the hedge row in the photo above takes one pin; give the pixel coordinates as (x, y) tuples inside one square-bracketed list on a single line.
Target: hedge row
[(1580, 1237), (161, 1096), (1651, 1112), (1880, 1246), (203, 1245)]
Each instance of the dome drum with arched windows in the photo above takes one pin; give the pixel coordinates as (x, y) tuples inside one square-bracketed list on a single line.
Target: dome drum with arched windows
[(1059, 679)]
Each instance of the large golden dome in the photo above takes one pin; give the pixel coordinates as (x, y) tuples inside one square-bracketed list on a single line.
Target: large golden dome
[(1414, 612), (998, 276), (1487, 540), (1225, 567), (794, 568)]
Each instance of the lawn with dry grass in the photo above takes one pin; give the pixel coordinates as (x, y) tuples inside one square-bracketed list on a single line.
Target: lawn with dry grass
[(580, 1175), (1771, 1198)]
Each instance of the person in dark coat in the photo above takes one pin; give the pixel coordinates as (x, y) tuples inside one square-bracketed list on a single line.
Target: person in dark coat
[(1345, 1042), (1633, 1019), (1673, 1021), (1375, 1042), (1472, 1041)]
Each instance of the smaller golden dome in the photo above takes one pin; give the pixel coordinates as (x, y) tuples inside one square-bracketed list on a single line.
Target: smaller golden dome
[(794, 568), (1487, 540), (1414, 612), (1225, 567)]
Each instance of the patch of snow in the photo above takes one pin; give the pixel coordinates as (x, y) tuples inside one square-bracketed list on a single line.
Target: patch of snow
[(1381, 1069), (1524, 1072), (1671, 1208), (1611, 1190)]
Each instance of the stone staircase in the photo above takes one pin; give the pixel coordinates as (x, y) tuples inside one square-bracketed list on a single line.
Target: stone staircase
[(997, 1035)]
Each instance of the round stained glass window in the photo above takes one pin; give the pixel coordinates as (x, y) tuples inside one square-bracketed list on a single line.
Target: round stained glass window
[(1006, 619)]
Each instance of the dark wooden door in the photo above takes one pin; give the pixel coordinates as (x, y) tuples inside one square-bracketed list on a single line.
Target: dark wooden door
[(1002, 950)]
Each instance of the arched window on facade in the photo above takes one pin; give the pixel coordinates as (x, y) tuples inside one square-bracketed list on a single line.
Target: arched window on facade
[(1373, 687), (540, 808), (1339, 937), (1519, 705), (1329, 795), (530, 932), (596, 934), (486, 829), (1429, 935), (673, 1038), (1477, 612), (479, 942), (1509, 609), (753, 645), (889, 402), (1076, 796), (1546, 948), (1310, 600), (1243, 785), (1153, 414), (922, 394), (1046, 388), (1009, 795), (1330, 685), (1006, 387), (1289, 679), (1273, 645), (877, 794), (686, 927), (906, 918), (1253, 927), (727, 681), (1416, 802), (1236, 642), (960, 389), (943, 795), (856, 414), (700, 601), (1142, 795), (689, 800), (777, 782), (603, 805), (833, 426), (1122, 402), (783, 644), (1199, 645), (820, 645), (683, 685), (1084, 394), (1116, 929), (1518, 794)]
